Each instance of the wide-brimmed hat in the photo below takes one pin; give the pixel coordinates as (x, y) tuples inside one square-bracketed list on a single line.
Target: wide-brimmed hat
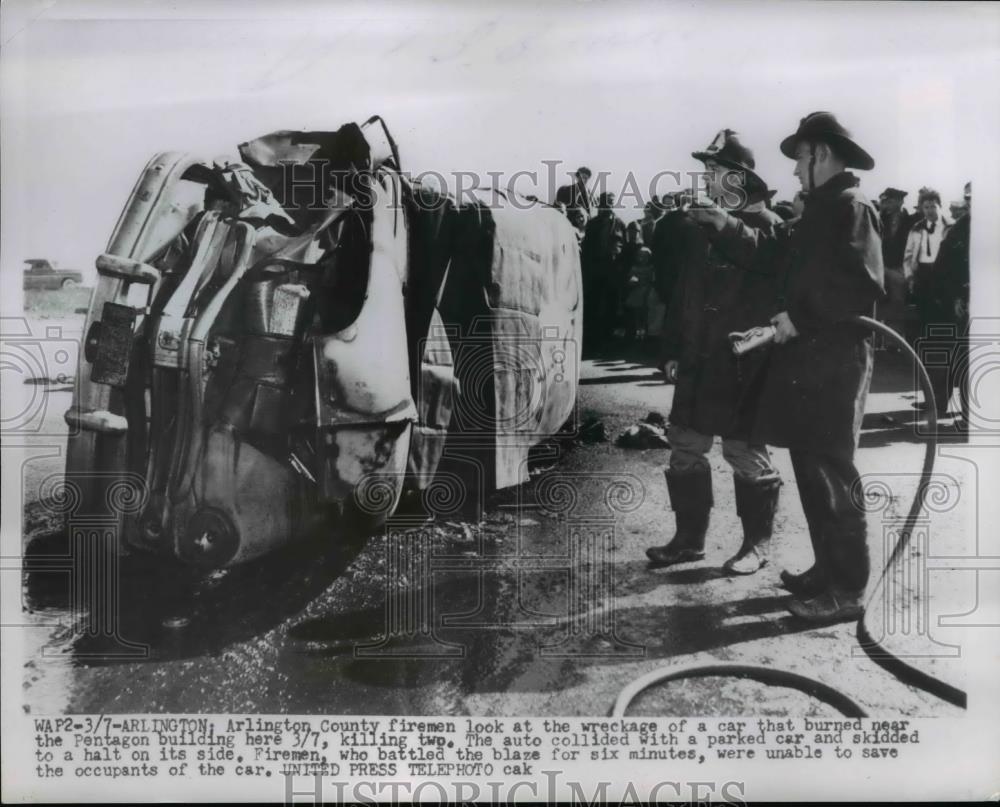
[(727, 150), (823, 127)]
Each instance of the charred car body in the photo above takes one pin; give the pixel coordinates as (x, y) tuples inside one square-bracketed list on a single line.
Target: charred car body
[(283, 344)]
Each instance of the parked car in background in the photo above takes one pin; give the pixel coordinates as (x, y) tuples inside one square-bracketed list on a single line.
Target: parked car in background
[(43, 274)]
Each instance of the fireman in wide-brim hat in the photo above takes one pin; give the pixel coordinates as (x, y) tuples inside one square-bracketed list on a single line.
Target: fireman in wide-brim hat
[(715, 392), (820, 369)]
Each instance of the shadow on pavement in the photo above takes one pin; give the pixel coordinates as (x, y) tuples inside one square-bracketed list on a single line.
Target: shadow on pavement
[(695, 574), (879, 429), (621, 379), (510, 649)]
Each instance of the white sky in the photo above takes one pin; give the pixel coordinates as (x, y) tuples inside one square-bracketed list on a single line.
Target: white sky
[(91, 90)]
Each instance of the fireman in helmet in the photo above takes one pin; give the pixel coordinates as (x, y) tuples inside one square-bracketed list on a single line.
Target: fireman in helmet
[(715, 391)]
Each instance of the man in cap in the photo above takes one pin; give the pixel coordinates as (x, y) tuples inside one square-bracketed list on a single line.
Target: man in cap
[(715, 392), (820, 369), (896, 223), (576, 196), (928, 287)]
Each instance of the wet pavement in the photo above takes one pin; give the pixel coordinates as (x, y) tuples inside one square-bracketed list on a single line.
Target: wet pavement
[(544, 607)]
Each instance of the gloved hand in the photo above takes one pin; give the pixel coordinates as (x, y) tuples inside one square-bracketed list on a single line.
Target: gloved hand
[(785, 329), (706, 212)]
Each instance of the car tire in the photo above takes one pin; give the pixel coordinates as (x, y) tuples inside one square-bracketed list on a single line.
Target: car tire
[(68, 283)]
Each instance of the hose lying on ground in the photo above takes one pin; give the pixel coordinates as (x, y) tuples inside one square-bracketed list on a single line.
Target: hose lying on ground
[(875, 650), (766, 675)]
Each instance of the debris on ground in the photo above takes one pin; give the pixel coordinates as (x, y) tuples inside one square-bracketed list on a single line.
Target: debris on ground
[(593, 431), (650, 432), (463, 527), (655, 419)]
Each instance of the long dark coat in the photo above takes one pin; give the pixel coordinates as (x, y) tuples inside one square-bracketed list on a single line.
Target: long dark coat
[(601, 253), (712, 297), (816, 385), (601, 268), (895, 230), (952, 265)]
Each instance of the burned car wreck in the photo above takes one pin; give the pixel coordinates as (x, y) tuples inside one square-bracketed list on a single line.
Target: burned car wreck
[(284, 343)]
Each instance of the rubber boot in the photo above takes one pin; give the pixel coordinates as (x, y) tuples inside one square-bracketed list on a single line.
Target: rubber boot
[(814, 579), (847, 559), (805, 584), (756, 503), (847, 550), (691, 499), (832, 605), (843, 598), (810, 483)]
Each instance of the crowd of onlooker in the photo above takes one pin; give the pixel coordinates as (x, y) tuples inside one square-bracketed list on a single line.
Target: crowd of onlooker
[(622, 296), (925, 256), (926, 260)]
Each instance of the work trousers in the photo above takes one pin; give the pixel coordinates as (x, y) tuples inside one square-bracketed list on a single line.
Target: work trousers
[(831, 499), (935, 311), (689, 450)]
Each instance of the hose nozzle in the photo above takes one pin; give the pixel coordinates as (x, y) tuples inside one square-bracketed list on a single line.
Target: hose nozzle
[(745, 341)]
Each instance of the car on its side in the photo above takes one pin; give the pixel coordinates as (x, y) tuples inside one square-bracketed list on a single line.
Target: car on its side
[(257, 368)]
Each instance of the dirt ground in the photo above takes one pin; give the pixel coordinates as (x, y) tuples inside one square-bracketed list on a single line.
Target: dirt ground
[(545, 607), (56, 303)]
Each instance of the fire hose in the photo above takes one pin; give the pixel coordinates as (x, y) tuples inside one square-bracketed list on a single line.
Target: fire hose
[(908, 674)]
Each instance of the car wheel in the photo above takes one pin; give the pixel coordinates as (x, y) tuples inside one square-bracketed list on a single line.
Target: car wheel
[(68, 283)]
